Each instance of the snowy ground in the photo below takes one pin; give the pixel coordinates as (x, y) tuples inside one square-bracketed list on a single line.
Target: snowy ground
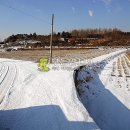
[(105, 92), (34, 100)]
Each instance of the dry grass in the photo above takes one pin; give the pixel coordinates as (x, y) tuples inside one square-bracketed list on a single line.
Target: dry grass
[(114, 69), (127, 59), (35, 55), (125, 66), (128, 55), (119, 67)]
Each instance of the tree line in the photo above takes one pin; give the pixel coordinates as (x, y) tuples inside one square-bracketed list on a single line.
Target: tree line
[(105, 34)]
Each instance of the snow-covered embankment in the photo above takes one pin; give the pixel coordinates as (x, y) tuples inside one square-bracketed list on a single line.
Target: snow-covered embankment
[(104, 107)]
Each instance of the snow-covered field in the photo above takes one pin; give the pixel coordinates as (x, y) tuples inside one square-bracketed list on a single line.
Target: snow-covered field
[(105, 92), (34, 100)]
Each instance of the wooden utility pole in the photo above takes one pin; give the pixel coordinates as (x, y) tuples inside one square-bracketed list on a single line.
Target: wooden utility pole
[(51, 41)]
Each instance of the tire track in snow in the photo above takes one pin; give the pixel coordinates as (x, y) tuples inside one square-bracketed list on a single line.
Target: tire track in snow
[(6, 81), (4, 73), (1, 67)]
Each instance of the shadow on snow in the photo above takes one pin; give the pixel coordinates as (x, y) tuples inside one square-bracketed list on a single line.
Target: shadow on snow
[(104, 107), (49, 117)]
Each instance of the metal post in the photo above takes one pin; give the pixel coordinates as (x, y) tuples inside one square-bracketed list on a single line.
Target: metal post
[(51, 38)]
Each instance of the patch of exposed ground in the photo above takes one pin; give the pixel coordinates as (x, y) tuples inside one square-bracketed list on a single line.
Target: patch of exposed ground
[(75, 55)]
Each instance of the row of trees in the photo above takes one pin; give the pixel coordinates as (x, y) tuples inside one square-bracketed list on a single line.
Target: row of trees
[(16, 37), (107, 34), (111, 34)]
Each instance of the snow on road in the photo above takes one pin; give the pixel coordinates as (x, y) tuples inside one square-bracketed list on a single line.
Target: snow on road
[(34, 100)]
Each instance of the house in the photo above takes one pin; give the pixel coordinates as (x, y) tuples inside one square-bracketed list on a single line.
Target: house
[(2, 44), (33, 44), (62, 39), (30, 44)]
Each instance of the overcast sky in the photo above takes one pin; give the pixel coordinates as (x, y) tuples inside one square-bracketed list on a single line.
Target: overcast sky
[(28, 16)]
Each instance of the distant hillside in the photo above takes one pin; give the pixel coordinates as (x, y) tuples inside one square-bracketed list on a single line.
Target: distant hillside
[(82, 37)]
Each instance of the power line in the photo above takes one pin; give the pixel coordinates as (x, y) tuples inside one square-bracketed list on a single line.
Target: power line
[(30, 15), (25, 13)]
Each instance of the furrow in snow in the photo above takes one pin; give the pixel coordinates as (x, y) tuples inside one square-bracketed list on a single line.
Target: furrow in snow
[(7, 81)]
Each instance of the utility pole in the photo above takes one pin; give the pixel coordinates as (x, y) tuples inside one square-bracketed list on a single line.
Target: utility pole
[(52, 24)]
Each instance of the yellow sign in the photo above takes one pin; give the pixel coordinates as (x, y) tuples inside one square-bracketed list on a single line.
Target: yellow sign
[(42, 66)]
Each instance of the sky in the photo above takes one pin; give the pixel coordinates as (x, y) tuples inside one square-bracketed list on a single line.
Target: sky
[(28, 16)]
